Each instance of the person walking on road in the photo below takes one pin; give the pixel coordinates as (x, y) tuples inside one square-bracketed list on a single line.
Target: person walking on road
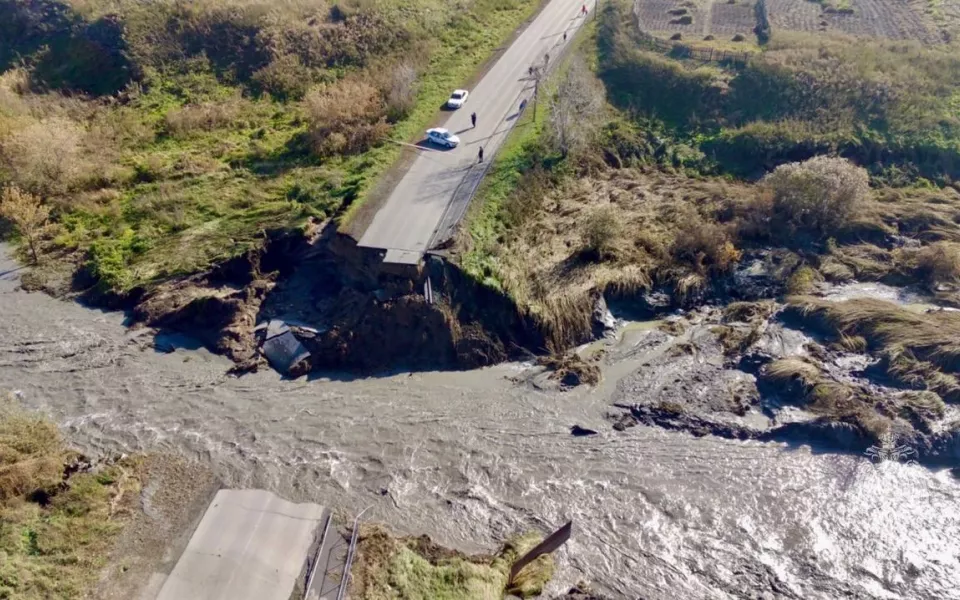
[(546, 60), (473, 119), (523, 104), (480, 155), (564, 36), (583, 10)]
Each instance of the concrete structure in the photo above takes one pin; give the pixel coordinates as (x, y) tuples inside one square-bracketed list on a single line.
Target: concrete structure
[(433, 194), (250, 545)]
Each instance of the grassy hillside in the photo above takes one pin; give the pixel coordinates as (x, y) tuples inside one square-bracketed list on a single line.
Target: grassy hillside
[(168, 136)]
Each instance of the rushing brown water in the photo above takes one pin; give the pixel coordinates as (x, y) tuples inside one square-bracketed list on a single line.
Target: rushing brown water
[(471, 457)]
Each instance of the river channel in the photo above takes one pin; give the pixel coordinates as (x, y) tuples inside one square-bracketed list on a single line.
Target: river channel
[(471, 457)]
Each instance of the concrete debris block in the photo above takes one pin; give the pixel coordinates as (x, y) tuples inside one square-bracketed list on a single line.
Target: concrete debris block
[(284, 351), (276, 327)]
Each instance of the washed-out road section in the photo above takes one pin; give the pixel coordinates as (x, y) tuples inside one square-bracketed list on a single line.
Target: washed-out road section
[(432, 195), (250, 545)]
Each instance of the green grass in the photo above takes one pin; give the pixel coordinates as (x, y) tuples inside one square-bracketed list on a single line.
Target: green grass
[(181, 189), (486, 219), (416, 569), (57, 549)]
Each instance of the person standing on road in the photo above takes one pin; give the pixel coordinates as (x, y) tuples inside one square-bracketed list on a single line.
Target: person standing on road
[(546, 60), (480, 155), (564, 36), (473, 119), (583, 10), (523, 104)]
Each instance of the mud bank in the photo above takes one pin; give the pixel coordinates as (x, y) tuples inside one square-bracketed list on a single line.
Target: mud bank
[(346, 308), (755, 371)]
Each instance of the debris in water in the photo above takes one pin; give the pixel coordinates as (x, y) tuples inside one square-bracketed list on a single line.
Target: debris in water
[(283, 350)]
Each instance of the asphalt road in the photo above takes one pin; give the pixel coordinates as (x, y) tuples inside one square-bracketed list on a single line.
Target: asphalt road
[(433, 194), (250, 545)]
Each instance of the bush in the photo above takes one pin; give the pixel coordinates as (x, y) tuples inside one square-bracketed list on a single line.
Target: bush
[(44, 158), (400, 92), (345, 118), (705, 247), (816, 196), (602, 233), (285, 78)]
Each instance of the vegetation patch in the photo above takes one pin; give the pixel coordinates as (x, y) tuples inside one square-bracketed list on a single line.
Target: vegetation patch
[(230, 118), (416, 568), (59, 516)]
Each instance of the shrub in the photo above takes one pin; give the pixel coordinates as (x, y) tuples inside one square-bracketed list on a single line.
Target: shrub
[(704, 246), (44, 158), (27, 214), (816, 196), (602, 233), (285, 78), (400, 92), (345, 118)]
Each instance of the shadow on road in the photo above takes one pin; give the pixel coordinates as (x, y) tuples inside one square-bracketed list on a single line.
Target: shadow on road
[(428, 145)]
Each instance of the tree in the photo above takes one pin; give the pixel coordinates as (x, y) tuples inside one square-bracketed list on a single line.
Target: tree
[(575, 109), (27, 213)]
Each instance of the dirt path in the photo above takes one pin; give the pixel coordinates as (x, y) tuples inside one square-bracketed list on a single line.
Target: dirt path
[(707, 17)]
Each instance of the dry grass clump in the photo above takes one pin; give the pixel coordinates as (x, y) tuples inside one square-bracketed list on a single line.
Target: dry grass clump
[(602, 235), (816, 196), (748, 312), (31, 452), (798, 380), (415, 568), (704, 247), (346, 117), (932, 337), (939, 263), (206, 116), (904, 368), (570, 369)]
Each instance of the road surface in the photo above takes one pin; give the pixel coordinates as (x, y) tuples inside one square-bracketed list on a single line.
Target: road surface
[(433, 194), (250, 545)]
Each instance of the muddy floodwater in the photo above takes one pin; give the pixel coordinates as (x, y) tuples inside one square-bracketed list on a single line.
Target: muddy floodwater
[(470, 457)]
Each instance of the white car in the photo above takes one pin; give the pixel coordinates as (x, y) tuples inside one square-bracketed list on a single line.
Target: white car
[(457, 98), (443, 137)]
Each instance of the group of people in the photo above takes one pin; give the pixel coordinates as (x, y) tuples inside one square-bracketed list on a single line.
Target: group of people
[(523, 102)]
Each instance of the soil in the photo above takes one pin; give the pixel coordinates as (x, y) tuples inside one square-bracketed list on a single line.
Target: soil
[(701, 385), (879, 18)]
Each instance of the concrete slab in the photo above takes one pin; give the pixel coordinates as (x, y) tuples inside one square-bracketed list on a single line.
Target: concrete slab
[(250, 545)]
